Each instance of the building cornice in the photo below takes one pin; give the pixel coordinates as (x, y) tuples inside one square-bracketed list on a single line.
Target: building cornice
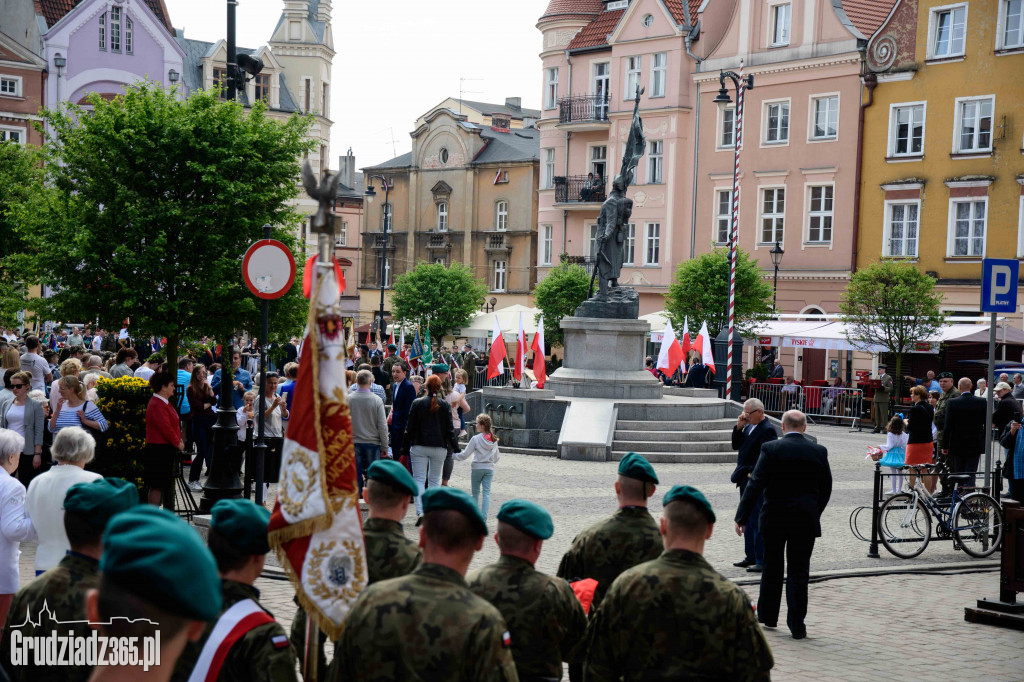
[(783, 67)]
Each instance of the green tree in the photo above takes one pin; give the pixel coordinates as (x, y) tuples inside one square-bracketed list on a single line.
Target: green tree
[(440, 297), (155, 201), (700, 292), (558, 295), (21, 176), (891, 304)]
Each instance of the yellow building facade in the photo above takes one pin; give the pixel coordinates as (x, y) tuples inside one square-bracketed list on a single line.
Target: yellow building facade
[(943, 149)]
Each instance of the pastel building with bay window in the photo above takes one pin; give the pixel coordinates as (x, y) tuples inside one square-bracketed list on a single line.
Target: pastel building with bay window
[(943, 169)]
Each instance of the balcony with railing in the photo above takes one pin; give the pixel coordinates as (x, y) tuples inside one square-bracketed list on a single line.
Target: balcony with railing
[(581, 190), (583, 261), (584, 112)]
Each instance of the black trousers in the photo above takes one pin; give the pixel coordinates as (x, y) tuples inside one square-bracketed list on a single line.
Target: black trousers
[(796, 546)]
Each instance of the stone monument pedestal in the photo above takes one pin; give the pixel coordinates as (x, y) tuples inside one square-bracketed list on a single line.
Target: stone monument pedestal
[(604, 358)]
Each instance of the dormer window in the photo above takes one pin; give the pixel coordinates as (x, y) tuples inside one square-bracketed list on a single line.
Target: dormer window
[(616, 4), (261, 87)]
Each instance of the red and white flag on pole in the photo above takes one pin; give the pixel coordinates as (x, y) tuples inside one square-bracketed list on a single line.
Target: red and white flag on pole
[(520, 361), (497, 355), (316, 527), (540, 371), (685, 342), (671, 353), (704, 346)]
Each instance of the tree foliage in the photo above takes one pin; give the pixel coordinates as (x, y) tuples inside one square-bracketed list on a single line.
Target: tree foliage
[(21, 176), (558, 295), (442, 298), (891, 304), (154, 202), (700, 292)]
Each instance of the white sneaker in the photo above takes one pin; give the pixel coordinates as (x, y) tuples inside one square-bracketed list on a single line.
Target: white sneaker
[(195, 486)]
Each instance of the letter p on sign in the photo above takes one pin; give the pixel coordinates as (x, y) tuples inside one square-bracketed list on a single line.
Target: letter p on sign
[(999, 286)]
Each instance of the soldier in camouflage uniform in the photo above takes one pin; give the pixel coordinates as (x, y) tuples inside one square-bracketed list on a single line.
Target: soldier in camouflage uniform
[(683, 619), (87, 508), (238, 541), (626, 538), (389, 491), (544, 616), (949, 392), (428, 625)]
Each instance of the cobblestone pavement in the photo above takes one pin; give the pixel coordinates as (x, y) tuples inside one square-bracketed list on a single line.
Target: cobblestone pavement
[(854, 622)]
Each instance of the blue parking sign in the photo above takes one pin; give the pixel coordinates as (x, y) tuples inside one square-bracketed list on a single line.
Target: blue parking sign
[(999, 285)]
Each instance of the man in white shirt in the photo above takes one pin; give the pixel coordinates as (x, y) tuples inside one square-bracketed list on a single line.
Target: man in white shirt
[(149, 368), (72, 449), (34, 363), (97, 340)]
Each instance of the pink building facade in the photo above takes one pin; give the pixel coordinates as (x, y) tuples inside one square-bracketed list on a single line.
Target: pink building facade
[(595, 54)]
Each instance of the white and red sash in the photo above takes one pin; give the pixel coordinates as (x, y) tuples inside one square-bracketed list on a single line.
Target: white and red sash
[(231, 626)]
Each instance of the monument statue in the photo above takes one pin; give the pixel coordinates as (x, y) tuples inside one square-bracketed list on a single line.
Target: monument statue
[(611, 300)]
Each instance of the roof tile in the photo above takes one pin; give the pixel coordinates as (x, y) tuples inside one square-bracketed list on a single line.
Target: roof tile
[(573, 8), (679, 12), (596, 32), (868, 15)]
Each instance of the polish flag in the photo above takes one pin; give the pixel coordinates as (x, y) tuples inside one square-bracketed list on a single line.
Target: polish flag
[(687, 346), (704, 346), (497, 355), (520, 361), (671, 354), (539, 370)]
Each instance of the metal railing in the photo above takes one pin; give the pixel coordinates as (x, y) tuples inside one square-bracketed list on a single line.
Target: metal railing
[(579, 189), (821, 402), (583, 261), (583, 108)]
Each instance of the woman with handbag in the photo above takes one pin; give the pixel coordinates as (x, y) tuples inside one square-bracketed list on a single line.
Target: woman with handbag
[(72, 409), (25, 417), (428, 437)]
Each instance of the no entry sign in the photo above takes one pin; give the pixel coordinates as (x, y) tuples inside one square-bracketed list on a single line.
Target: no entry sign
[(268, 268)]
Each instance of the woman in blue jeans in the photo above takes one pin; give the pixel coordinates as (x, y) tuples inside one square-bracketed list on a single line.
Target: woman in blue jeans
[(428, 437), (484, 449)]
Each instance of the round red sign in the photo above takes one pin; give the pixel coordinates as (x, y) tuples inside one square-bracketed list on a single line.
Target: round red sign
[(268, 268)]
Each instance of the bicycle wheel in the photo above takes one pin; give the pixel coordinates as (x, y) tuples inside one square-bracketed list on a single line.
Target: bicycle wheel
[(904, 526), (978, 524)]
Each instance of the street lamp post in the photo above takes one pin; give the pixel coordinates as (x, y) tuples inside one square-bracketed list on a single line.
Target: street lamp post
[(776, 254), (722, 100), (370, 194)]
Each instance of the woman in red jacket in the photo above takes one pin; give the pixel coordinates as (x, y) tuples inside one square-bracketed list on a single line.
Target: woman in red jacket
[(163, 439)]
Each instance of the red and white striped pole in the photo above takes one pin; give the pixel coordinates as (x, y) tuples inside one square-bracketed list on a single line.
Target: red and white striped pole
[(734, 232)]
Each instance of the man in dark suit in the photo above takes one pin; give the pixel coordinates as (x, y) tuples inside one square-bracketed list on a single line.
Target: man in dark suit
[(963, 438), (795, 478), (752, 431), (402, 395), (778, 371)]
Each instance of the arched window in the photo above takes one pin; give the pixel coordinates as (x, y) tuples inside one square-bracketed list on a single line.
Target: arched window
[(442, 216), (501, 215)]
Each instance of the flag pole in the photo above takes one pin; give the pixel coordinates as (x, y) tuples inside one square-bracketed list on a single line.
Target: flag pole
[(741, 86)]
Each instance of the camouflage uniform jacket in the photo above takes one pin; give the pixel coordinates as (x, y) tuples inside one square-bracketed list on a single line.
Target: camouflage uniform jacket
[(685, 622), (544, 616), (255, 657), (389, 554), (424, 626), (940, 411), (63, 590), (626, 538)]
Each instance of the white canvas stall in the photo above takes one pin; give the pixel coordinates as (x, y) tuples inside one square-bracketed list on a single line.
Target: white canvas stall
[(480, 327)]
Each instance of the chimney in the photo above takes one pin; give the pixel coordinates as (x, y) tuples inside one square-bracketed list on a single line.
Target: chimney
[(347, 168), (514, 103)]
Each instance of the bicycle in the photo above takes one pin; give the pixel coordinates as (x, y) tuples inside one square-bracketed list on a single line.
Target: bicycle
[(974, 520)]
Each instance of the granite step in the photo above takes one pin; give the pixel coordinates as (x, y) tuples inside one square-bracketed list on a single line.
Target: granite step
[(682, 457), (673, 436), (675, 446), (651, 425)]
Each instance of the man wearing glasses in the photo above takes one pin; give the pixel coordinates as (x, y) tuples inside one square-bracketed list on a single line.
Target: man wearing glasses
[(752, 431)]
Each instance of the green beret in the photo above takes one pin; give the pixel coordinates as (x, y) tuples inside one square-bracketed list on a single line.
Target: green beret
[(439, 368), (101, 499), (690, 494), (392, 346), (392, 472), (243, 524), (945, 375), (153, 554), (528, 517), (636, 466), (441, 498)]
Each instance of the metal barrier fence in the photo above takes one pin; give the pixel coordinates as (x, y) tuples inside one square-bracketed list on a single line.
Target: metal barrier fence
[(821, 402)]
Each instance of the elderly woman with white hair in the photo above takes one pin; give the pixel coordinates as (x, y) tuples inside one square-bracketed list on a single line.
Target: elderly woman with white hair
[(72, 449), (15, 523)]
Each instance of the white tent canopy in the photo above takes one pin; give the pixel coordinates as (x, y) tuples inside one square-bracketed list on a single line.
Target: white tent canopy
[(831, 335), (482, 324)]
